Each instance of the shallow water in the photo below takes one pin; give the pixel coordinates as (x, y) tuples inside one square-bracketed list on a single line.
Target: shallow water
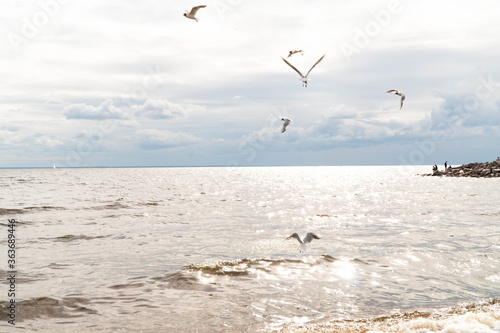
[(204, 249)]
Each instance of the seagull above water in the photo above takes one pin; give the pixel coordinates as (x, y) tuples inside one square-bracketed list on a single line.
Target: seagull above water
[(287, 121), (309, 237), (303, 77), (397, 92), (192, 13), (292, 52)]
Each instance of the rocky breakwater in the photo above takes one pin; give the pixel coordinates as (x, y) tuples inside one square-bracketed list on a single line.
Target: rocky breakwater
[(478, 170)]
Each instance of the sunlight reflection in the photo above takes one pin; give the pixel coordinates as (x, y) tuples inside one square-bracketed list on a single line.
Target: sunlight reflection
[(413, 257), (344, 269), (205, 280)]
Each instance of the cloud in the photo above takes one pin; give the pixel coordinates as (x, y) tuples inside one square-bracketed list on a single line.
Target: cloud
[(159, 109), (343, 125), (158, 139), (9, 128), (23, 142), (106, 110), (339, 126), (168, 70), (46, 141), (465, 110)]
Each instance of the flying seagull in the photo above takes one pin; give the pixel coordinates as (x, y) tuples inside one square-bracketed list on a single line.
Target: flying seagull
[(292, 52), (192, 13), (303, 77), (287, 121), (397, 92), (309, 237)]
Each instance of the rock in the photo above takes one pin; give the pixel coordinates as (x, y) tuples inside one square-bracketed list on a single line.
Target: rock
[(486, 169)]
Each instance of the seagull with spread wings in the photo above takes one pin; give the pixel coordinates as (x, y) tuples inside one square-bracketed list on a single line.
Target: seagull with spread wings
[(309, 237), (397, 92), (303, 77), (287, 121), (192, 13)]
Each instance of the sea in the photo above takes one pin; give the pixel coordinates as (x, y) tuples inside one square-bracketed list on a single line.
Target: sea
[(204, 250)]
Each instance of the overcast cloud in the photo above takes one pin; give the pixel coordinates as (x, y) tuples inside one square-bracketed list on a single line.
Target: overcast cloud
[(128, 83)]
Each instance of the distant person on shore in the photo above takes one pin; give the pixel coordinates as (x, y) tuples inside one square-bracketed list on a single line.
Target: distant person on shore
[(445, 165), (434, 168)]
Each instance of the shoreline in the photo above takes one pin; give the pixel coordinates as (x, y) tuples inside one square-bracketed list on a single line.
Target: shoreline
[(470, 316), (476, 170)]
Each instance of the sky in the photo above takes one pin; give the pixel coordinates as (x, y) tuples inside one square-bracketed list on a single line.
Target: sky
[(128, 83)]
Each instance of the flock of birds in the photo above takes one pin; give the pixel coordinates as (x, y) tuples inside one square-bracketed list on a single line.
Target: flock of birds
[(287, 121)]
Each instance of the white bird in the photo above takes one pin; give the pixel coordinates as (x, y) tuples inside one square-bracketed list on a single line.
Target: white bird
[(309, 237), (192, 13), (292, 52), (287, 121), (397, 92), (303, 77)]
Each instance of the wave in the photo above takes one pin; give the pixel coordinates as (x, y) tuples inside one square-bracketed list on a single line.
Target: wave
[(224, 277), (48, 307), (59, 266), (148, 204), (70, 238), (477, 317), (115, 205), (7, 211), (182, 280), (244, 267), (204, 277), (18, 211), (24, 278), (43, 208)]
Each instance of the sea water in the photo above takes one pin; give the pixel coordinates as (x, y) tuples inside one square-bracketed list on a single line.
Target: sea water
[(205, 250)]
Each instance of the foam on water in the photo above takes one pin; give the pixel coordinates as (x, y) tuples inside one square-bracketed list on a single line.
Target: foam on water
[(481, 317)]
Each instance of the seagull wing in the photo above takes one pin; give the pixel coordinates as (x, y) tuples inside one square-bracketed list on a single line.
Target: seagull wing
[(317, 62), (391, 91), (295, 69), (402, 99), (194, 10), (296, 236), (310, 236)]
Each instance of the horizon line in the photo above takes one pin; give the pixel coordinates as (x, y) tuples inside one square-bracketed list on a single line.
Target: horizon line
[(210, 166)]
